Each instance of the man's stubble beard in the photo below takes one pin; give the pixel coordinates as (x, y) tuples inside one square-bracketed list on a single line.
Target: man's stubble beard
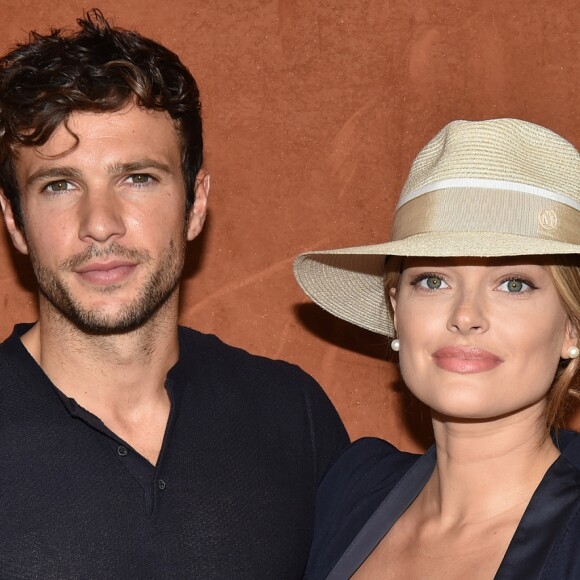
[(156, 290)]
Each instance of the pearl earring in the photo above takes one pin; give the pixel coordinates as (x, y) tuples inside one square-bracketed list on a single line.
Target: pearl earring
[(573, 352), (396, 345)]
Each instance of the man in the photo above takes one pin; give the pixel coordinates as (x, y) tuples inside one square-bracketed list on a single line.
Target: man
[(131, 448)]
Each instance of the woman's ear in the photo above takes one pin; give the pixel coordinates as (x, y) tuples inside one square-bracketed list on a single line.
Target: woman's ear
[(393, 299), (570, 339)]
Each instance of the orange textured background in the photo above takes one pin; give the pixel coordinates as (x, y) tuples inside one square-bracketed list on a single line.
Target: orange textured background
[(313, 112)]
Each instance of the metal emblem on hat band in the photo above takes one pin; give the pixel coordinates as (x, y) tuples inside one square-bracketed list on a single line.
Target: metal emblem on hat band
[(548, 219)]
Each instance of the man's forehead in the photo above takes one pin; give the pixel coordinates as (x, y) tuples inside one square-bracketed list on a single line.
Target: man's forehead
[(130, 135), (130, 118)]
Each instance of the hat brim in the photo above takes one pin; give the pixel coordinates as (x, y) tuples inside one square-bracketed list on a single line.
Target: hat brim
[(348, 282)]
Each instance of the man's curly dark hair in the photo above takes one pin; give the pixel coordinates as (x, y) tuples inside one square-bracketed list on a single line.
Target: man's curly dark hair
[(98, 68)]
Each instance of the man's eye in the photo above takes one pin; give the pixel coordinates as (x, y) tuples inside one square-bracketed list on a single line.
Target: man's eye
[(141, 178), (57, 186)]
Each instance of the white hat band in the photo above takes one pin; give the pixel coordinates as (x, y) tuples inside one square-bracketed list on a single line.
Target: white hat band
[(465, 183)]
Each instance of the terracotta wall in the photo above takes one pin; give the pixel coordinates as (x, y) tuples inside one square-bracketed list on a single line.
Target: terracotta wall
[(313, 111)]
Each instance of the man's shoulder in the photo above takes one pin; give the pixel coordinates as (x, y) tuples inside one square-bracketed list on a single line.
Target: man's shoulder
[(194, 340), (198, 348), (22, 382), (265, 391), (230, 373), (12, 355)]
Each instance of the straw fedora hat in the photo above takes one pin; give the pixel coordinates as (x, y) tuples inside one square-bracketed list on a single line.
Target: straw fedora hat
[(502, 187)]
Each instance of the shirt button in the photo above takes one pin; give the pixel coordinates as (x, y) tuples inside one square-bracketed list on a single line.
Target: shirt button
[(161, 484), (122, 450)]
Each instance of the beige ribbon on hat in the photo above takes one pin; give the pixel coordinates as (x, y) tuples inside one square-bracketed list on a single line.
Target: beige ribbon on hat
[(487, 210)]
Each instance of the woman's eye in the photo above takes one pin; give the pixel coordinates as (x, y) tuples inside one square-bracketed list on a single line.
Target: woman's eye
[(430, 282), (433, 283), (516, 285)]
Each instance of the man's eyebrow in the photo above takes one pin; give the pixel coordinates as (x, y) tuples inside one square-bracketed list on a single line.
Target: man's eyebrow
[(65, 172), (53, 173), (139, 165)]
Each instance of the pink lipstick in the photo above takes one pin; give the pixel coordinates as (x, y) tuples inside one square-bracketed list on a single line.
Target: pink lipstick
[(465, 359)]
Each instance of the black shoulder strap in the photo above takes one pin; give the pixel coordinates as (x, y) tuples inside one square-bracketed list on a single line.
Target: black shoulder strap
[(384, 517)]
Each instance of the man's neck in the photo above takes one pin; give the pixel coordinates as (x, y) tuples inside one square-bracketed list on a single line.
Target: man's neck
[(120, 378)]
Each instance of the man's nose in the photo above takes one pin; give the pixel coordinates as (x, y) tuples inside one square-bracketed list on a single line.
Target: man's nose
[(100, 216)]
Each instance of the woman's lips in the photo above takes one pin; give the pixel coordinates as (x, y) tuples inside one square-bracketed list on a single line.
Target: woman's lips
[(106, 273), (465, 359)]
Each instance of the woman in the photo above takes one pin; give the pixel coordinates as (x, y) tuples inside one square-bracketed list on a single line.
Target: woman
[(481, 288)]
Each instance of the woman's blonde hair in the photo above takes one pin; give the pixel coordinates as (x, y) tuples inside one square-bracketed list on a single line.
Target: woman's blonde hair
[(565, 273)]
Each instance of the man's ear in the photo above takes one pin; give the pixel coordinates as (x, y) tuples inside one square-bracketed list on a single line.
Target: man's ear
[(393, 299), (16, 234), (198, 210)]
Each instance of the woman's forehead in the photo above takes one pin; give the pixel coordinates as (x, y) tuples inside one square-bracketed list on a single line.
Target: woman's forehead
[(491, 262)]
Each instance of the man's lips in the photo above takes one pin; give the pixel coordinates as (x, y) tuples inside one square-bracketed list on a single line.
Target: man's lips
[(465, 359), (104, 273)]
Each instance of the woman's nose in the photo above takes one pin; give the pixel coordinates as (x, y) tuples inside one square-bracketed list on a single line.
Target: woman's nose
[(468, 314)]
